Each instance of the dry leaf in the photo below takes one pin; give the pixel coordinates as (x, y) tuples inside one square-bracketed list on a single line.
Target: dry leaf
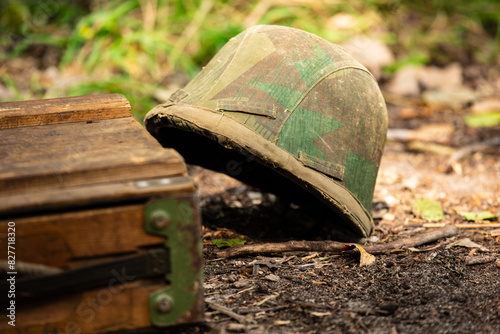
[(365, 258), (432, 77), (466, 242), (454, 98), (495, 233)]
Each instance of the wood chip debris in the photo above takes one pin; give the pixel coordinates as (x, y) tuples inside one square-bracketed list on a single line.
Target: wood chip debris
[(240, 292), (321, 314), (268, 298), (222, 309)]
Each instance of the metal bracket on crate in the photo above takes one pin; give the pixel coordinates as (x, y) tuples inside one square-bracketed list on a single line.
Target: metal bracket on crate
[(177, 220), (50, 281)]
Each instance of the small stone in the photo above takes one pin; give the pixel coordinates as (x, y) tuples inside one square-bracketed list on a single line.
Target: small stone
[(241, 283), (405, 82), (432, 77), (208, 286), (411, 182), (389, 217), (370, 52), (254, 195), (455, 98), (232, 278), (272, 198), (389, 307), (236, 204), (272, 277)]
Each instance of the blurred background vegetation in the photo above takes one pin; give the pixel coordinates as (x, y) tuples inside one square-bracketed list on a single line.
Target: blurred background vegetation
[(145, 48)]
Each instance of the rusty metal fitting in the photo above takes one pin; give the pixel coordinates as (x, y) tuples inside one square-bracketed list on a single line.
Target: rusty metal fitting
[(160, 220), (163, 305)]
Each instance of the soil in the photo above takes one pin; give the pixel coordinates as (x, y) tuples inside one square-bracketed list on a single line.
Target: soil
[(426, 289)]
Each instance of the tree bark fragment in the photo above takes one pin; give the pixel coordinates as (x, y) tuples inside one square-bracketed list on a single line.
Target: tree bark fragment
[(335, 246)]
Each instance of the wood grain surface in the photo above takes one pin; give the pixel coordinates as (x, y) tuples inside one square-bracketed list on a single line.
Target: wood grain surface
[(63, 110)]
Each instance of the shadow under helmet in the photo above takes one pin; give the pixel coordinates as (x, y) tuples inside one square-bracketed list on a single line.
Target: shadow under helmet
[(288, 111)]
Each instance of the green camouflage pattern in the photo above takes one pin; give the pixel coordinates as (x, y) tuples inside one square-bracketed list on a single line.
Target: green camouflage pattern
[(304, 94)]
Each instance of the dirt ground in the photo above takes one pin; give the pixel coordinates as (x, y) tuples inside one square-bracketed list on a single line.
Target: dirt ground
[(433, 288)]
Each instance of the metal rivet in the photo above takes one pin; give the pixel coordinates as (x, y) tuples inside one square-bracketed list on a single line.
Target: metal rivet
[(163, 305), (160, 220)]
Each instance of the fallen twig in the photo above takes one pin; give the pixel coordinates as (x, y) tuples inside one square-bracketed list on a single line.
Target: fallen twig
[(421, 146), (265, 300), (485, 144), (437, 133), (402, 100), (469, 225), (473, 260), (335, 246), (417, 240), (269, 309), (238, 317)]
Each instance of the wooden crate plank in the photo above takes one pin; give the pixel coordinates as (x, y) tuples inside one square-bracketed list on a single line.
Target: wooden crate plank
[(63, 110), (76, 197), (57, 239), (119, 307), (73, 154)]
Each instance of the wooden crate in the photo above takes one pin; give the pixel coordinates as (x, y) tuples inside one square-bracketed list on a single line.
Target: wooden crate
[(102, 220)]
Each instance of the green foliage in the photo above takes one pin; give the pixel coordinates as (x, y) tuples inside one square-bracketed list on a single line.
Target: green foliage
[(446, 31), (137, 94), (228, 243), (7, 80), (122, 44), (415, 58), (478, 216), (428, 209), (484, 120)]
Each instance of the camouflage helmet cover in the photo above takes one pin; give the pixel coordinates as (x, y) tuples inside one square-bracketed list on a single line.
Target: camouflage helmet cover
[(298, 103)]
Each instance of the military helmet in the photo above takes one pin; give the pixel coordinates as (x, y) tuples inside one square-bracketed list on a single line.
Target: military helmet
[(289, 111)]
